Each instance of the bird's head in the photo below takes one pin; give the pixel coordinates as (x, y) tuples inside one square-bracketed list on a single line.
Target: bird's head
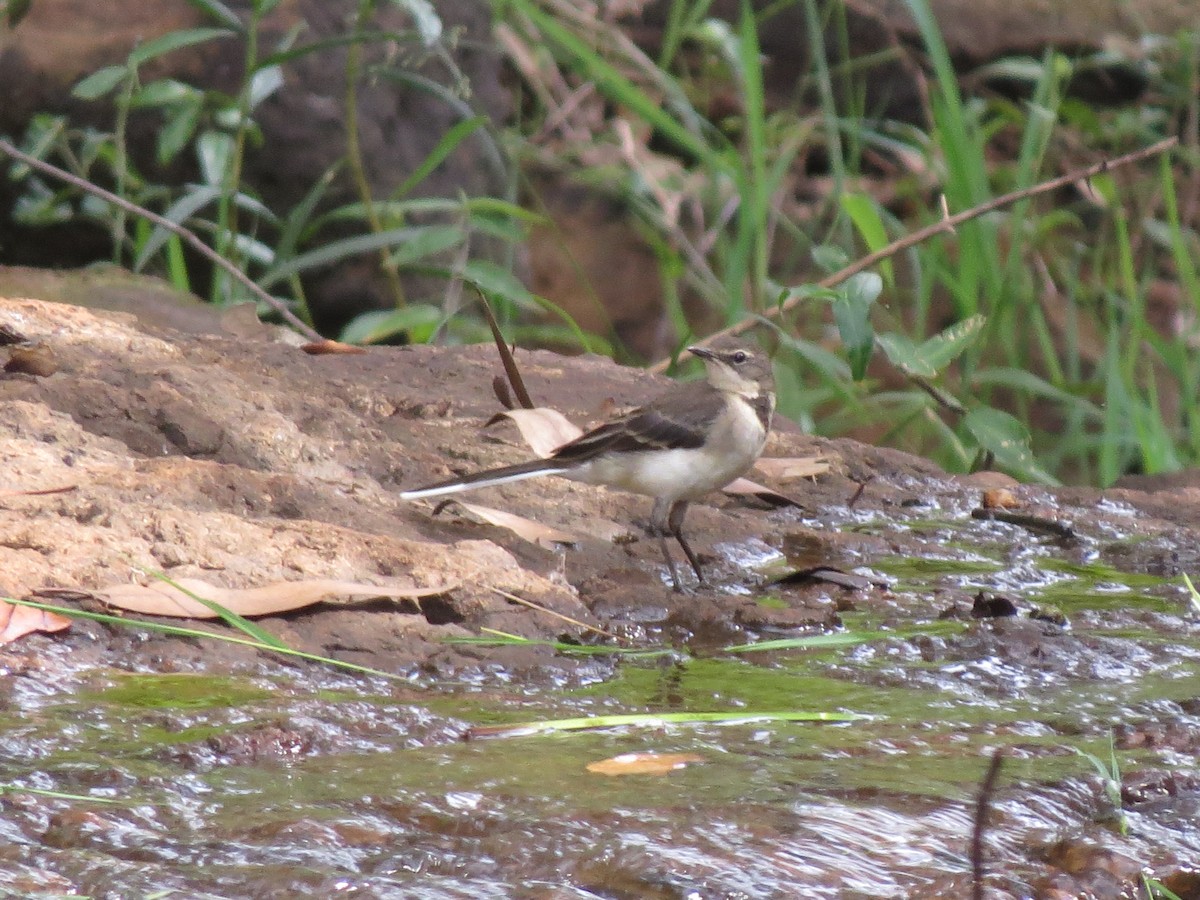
[(736, 368)]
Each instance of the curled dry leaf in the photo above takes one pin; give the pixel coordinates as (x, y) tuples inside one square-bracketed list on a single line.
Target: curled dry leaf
[(163, 599), (18, 621), (328, 347), (532, 531), (792, 468), (544, 429), (644, 763)]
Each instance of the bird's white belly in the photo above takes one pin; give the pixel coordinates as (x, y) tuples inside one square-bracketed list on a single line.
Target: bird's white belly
[(680, 474)]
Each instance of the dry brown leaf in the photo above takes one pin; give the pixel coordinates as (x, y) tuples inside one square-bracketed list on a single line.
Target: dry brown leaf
[(544, 429), (535, 532), (792, 468), (18, 621), (162, 599), (744, 487), (328, 348), (644, 763)]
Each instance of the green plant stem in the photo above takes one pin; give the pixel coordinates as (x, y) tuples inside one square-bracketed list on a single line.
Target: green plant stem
[(227, 211), (121, 160), (354, 156)]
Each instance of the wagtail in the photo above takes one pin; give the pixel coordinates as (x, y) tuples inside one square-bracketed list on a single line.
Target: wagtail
[(695, 438)]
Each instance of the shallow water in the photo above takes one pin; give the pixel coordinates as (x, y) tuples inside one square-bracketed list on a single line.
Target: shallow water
[(305, 781)]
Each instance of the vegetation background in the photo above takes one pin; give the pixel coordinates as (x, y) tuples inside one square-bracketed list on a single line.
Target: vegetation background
[(743, 153)]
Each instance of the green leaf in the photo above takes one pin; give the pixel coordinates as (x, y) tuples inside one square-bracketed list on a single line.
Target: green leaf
[(865, 215), (494, 279), (829, 258), (927, 359), (178, 130), (335, 251), (174, 40), (445, 146), (221, 13), (1007, 439), (420, 320), (99, 83), (852, 313), (426, 20), (214, 151), (903, 354), (1024, 381), (179, 212), (429, 240), (266, 81), (942, 349), (163, 92)]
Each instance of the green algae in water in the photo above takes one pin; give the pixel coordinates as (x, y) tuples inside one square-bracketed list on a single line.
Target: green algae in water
[(1099, 573), (178, 691), (915, 568)]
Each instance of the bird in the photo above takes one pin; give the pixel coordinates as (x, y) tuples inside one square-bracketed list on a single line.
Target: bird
[(696, 437)]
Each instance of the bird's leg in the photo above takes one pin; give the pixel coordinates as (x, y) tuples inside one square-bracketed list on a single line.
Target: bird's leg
[(675, 523), (660, 524)]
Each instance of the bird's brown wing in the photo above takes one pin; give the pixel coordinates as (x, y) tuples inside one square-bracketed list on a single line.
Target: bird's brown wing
[(679, 420)]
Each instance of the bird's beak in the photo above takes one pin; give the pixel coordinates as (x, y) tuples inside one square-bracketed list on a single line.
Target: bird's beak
[(702, 352)]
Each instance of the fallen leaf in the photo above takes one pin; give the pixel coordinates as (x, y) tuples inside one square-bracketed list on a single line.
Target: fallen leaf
[(644, 763), (791, 468), (18, 621), (328, 348), (163, 599), (535, 532), (544, 429), (744, 487)]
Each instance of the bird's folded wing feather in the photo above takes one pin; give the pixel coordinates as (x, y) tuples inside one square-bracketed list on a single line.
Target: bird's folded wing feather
[(664, 425)]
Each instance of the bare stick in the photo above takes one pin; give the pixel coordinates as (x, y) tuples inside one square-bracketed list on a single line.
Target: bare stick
[(189, 236), (986, 791), (946, 224)]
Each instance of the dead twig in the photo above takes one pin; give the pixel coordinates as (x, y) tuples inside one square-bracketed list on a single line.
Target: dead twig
[(186, 235), (945, 224), (506, 357), (986, 791)]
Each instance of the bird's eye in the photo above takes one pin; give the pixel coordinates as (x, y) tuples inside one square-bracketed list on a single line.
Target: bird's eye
[(740, 356)]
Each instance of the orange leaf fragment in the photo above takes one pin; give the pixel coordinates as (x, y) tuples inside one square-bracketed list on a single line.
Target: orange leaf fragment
[(328, 347), (163, 599), (18, 621), (1000, 498), (644, 763)]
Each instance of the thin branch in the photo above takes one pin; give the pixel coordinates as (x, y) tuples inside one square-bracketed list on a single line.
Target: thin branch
[(187, 236), (945, 224), (987, 790)]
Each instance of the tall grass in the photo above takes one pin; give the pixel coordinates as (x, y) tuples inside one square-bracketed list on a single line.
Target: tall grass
[(1025, 338)]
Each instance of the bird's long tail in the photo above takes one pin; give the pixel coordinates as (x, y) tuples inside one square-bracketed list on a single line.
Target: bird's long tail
[(535, 468)]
